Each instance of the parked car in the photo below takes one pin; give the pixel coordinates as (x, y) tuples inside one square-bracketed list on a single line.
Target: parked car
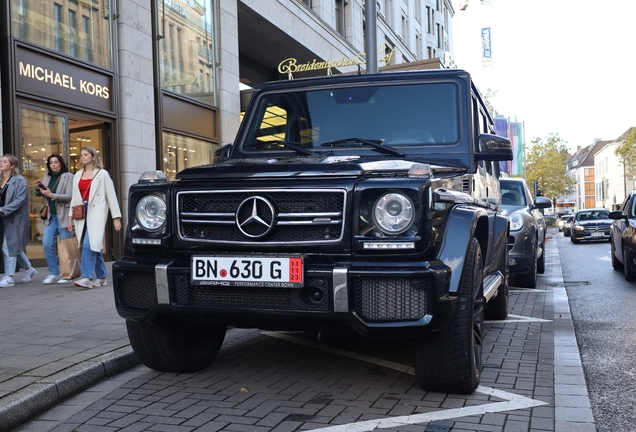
[(562, 221), (590, 225), (364, 202), (526, 242), (622, 239)]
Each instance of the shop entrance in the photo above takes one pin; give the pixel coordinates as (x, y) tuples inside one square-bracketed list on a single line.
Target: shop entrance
[(44, 132)]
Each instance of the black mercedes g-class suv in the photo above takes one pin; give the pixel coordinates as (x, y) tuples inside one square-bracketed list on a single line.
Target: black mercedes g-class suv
[(368, 202)]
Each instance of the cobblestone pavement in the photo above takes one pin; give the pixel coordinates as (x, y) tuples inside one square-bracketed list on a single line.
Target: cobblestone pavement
[(532, 381)]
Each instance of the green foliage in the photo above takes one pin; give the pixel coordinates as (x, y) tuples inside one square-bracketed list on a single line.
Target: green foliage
[(545, 163), (627, 152)]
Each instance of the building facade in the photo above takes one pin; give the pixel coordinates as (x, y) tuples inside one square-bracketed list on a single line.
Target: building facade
[(157, 84)]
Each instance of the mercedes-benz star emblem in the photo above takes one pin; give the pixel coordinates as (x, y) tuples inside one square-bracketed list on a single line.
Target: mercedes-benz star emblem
[(255, 217)]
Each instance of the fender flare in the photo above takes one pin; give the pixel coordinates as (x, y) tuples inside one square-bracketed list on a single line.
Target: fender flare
[(463, 222)]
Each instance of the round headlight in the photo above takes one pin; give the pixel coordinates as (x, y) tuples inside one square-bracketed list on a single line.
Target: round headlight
[(516, 222), (151, 213), (393, 213)]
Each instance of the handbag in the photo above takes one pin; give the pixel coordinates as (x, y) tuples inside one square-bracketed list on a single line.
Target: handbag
[(69, 255), (78, 211), (44, 212)]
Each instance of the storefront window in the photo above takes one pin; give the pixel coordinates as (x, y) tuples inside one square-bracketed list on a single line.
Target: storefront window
[(180, 152), (43, 133), (187, 48), (79, 29)]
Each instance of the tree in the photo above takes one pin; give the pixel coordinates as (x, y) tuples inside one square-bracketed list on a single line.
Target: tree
[(627, 152), (545, 163)]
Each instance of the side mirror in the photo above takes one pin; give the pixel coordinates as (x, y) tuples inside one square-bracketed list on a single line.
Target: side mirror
[(542, 202), (494, 148), (222, 153), (616, 215)]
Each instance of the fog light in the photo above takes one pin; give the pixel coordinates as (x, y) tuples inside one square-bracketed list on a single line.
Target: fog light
[(316, 296)]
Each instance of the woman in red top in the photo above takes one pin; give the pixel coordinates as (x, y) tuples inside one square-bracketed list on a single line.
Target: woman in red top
[(93, 187)]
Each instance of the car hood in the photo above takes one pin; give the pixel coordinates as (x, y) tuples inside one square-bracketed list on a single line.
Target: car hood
[(309, 166), (508, 209)]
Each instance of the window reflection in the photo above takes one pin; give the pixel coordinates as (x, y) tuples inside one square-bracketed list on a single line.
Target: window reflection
[(180, 152), (56, 25), (187, 48)]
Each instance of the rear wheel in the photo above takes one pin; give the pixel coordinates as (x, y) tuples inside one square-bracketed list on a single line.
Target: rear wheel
[(627, 268), (175, 345), (450, 360)]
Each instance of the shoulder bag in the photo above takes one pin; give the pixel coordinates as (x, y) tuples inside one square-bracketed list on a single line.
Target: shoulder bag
[(79, 211)]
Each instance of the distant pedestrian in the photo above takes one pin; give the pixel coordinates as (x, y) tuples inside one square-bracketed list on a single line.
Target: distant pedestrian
[(56, 187), (14, 209), (93, 187)]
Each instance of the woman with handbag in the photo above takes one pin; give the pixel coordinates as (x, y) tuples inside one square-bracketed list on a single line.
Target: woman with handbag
[(56, 188), (93, 190), (14, 209)]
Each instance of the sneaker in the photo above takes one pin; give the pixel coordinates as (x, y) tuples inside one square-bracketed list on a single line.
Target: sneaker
[(28, 274), (99, 282), (50, 279), (7, 281), (64, 281), (84, 282)]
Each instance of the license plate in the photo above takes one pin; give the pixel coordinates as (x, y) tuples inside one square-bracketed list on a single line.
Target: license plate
[(598, 234), (262, 271)]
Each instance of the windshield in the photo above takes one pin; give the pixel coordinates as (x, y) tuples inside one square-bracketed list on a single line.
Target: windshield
[(512, 194), (389, 114), (592, 215)]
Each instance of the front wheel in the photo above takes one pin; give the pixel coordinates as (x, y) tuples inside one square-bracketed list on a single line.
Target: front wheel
[(627, 268), (175, 345), (529, 280), (616, 264), (449, 360)]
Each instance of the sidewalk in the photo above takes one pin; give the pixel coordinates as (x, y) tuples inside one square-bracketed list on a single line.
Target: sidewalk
[(56, 340)]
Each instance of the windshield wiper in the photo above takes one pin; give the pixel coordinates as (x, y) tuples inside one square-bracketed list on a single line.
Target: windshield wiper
[(287, 144), (376, 144)]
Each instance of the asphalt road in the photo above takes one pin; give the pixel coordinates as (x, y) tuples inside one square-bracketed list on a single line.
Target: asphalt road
[(603, 307)]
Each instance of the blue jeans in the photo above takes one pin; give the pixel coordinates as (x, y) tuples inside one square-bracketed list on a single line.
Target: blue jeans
[(92, 262), (51, 231), (9, 261)]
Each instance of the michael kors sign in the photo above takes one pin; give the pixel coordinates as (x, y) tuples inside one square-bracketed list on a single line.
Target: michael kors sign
[(62, 81)]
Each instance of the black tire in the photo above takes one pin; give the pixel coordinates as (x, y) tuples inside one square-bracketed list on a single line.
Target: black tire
[(541, 262), (449, 360), (175, 345), (627, 268), (566, 233), (616, 264), (573, 240), (497, 308), (528, 280)]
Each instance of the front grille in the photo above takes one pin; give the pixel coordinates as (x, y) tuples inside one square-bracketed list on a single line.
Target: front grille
[(391, 299), (594, 229), (288, 299), (135, 289), (262, 216)]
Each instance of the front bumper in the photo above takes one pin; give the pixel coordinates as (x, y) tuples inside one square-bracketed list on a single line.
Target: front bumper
[(375, 299), (580, 235), (520, 252)]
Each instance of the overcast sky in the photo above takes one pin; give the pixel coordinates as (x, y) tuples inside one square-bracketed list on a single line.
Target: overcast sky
[(560, 66)]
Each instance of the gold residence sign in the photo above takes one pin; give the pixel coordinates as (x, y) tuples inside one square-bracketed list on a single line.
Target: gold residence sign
[(291, 65), (61, 81)]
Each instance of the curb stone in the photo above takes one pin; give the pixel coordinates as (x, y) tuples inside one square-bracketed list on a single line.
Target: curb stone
[(19, 407)]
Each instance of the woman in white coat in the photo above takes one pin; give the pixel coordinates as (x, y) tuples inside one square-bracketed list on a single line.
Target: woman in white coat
[(93, 187)]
